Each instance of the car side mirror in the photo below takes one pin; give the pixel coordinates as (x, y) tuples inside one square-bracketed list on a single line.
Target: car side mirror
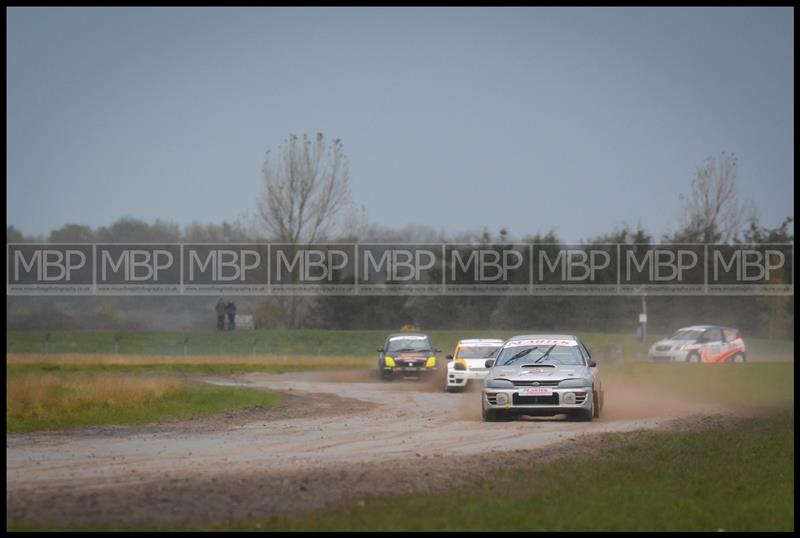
[(489, 363), (379, 350), (449, 357), (592, 363)]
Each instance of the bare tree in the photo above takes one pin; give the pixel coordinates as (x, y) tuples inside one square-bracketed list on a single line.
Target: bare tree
[(305, 188), (713, 211)]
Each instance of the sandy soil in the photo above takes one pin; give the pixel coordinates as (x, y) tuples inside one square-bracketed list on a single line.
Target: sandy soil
[(340, 436)]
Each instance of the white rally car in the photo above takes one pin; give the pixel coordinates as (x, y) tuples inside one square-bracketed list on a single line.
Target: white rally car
[(468, 361), (701, 343)]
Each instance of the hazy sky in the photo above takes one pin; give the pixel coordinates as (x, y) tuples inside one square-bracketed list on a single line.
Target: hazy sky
[(575, 120)]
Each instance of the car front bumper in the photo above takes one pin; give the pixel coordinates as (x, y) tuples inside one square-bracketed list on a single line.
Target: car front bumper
[(407, 371), (663, 356), (538, 405), (460, 378)]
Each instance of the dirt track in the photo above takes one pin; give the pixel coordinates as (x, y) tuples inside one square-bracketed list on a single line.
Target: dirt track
[(339, 436)]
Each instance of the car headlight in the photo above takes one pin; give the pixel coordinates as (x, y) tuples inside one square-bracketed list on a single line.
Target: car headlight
[(431, 362), (499, 384), (502, 398), (575, 383), (389, 361)]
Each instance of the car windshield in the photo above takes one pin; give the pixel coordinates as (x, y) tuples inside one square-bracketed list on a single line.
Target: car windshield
[(476, 352), (562, 355), (413, 343), (731, 334), (686, 334)]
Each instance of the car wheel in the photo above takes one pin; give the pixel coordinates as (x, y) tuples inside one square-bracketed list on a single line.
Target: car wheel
[(384, 375), (693, 358), (452, 389), (595, 405), (586, 415), (492, 415), (738, 358)]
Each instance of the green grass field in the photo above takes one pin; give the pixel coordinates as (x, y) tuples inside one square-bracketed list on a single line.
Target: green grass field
[(314, 342)]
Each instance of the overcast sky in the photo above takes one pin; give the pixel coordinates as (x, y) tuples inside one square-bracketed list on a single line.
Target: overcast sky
[(574, 120)]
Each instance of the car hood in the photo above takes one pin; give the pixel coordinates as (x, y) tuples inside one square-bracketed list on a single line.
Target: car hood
[(540, 373), (472, 364), (667, 342), (409, 355)]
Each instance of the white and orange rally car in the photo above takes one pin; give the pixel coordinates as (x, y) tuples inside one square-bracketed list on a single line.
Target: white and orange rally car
[(701, 343)]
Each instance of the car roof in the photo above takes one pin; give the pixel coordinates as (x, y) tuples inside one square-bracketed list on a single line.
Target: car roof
[(545, 336), (702, 328), (480, 341), (407, 334)]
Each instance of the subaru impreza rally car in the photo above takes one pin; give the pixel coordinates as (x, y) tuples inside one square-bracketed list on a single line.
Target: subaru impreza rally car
[(468, 362), (701, 343), (409, 355), (542, 375)]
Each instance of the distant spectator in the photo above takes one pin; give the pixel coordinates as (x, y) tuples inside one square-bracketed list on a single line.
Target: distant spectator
[(230, 309), (220, 308)]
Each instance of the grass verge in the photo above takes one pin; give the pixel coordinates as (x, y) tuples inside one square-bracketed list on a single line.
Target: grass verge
[(37, 402), (749, 387), (330, 343)]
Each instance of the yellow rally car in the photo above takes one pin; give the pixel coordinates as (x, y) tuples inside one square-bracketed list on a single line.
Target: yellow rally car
[(468, 361)]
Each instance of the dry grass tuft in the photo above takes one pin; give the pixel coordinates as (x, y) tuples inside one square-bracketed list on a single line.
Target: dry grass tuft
[(191, 360), (52, 395)]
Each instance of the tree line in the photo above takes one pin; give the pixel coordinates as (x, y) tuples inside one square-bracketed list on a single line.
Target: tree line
[(306, 197)]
